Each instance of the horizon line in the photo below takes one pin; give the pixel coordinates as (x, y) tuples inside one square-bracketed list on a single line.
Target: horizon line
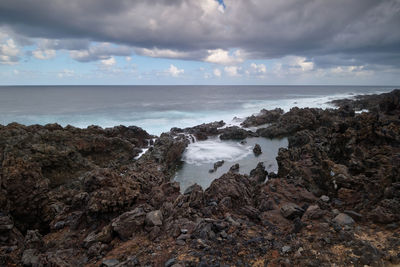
[(121, 85)]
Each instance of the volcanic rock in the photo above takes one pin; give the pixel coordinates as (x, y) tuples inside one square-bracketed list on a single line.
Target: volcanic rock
[(154, 218), (234, 168), (291, 211), (265, 116), (259, 174), (257, 150), (79, 197), (129, 222), (233, 133), (343, 219)]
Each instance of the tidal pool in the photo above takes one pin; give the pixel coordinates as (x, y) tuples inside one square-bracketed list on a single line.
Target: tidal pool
[(199, 157)]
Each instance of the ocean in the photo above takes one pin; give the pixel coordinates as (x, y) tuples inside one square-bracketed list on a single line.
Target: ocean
[(158, 108)]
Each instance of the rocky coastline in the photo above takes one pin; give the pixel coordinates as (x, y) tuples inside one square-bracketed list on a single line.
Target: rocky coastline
[(78, 197)]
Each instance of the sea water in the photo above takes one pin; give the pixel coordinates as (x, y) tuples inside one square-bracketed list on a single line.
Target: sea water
[(158, 108), (199, 158)]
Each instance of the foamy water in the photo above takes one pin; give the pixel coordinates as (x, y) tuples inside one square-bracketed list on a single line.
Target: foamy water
[(199, 158), (214, 149)]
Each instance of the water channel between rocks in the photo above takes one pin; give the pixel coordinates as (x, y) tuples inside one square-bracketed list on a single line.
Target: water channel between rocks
[(199, 157)]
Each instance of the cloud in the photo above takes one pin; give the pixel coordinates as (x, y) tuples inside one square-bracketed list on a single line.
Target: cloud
[(232, 71), (63, 44), (293, 65), (167, 53), (44, 54), (102, 51), (365, 31), (9, 52), (174, 71), (108, 62), (350, 70), (299, 64), (258, 68), (66, 73), (217, 73), (220, 56)]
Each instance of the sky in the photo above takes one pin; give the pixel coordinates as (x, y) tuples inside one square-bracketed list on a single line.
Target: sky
[(124, 42)]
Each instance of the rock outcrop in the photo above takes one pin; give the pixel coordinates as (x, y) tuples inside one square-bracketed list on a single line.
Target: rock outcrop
[(74, 197)]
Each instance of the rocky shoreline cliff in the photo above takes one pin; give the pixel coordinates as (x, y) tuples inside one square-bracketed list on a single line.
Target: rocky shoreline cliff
[(78, 197)]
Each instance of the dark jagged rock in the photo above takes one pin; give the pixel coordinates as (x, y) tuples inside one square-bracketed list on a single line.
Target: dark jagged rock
[(264, 117), (129, 222), (291, 211), (154, 218), (36, 160), (293, 121), (387, 103), (206, 129), (231, 185), (259, 174), (234, 133), (234, 168), (343, 219), (257, 150), (76, 197), (217, 165)]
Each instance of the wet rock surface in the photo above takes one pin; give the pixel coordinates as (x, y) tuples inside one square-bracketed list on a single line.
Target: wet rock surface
[(264, 117), (257, 150), (75, 197)]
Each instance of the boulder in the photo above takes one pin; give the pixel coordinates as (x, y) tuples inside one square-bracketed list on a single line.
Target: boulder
[(257, 150), (154, 218), (265, 116), (234, 168), (355, 215), (291, 211), (343, 219), (30, 257), (230, 190), (109, 263), (313, 212), (259, 174), (129, 222), (104, 236), (381, 215), (233, 133), (218, 164)]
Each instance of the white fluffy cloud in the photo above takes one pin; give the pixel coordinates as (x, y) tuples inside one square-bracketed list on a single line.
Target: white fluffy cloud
[(175, 71), (108, 62), (9, 52), (232, 71), (300, 64), (220, 56), (293, 65), (162, 53), (44, 54), (258, 68), (217, 73), (350, 70)]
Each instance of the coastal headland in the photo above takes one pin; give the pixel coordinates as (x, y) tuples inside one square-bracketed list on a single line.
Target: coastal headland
[(84, 197)]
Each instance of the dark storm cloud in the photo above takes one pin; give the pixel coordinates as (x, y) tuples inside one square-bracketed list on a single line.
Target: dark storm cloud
[(329, 32)]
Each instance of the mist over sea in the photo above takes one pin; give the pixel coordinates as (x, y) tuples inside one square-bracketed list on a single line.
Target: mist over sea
[(158, 108)]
